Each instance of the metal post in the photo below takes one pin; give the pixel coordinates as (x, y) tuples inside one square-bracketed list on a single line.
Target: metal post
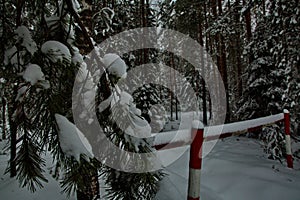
[(195, 161), (289, 155)]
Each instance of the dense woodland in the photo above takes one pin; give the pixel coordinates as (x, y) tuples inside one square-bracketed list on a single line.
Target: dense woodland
[(254, 43)]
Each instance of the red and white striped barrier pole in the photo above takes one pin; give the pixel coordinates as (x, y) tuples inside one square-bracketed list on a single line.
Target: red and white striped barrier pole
[(195, 161), (289, 155)]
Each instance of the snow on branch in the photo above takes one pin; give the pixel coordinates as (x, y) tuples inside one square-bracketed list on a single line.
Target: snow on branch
[(72, 141), (25, 39), (34, 75), (115, 65), (56, 51)]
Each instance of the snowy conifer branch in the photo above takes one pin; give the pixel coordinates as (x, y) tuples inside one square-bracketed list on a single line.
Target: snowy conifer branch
[(89, 41)]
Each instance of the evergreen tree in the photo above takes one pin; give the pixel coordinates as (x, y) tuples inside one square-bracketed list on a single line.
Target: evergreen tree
[(124, 118), (274, 67), (39, 65), (269, 78), (287, 43), (129, 15)]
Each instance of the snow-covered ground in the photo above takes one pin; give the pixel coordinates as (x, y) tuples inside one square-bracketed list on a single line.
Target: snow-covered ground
[(235, 169), (10, 190)]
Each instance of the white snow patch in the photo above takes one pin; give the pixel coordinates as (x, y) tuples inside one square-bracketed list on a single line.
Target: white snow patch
[(26, 40), (76, 5), (212, 131), (286, 111), (77, 58), (294, 21), (56, 51), (87, 93), (125, 98), (139, 127), (161, 123), (21, 91), (233, 170), (196, 124), (10, 187), (72, 141), (172, 137), (105, 104), (88, 99), (33, 73), (244, 9), (115, 65)]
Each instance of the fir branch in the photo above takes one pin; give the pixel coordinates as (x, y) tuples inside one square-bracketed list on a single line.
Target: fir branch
[(73, 13), (29, 166)]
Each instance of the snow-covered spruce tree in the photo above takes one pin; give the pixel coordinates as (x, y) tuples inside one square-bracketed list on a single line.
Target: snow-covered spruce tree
[(265, 80), (125, 15), (274, 45), (274, 142), (264, 87), (115, 184), (23, 82), (121, 122), (285, 53), (152, 100), (130, 15), (269, 77), (39, 67)]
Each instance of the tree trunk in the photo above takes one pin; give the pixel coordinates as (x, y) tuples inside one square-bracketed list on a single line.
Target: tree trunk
[(203, 71), (214, 7), (264, 7), (91, 190), (220, 7), (171, 87), (221, 54), (20, 4), (174, 83), (238, 51), (209, 47), (13, 136), (215, 44), (13, 126), (3, 118), (248, 30), (13, 148)]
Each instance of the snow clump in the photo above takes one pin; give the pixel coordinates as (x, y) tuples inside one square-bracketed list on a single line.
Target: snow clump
[(24, 37), (72, 141), (33, 73), (115, 65), (56, 51)]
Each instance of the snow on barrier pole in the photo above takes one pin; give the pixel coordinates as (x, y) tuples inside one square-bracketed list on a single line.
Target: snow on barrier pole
[(289, 157), (195, 161)]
